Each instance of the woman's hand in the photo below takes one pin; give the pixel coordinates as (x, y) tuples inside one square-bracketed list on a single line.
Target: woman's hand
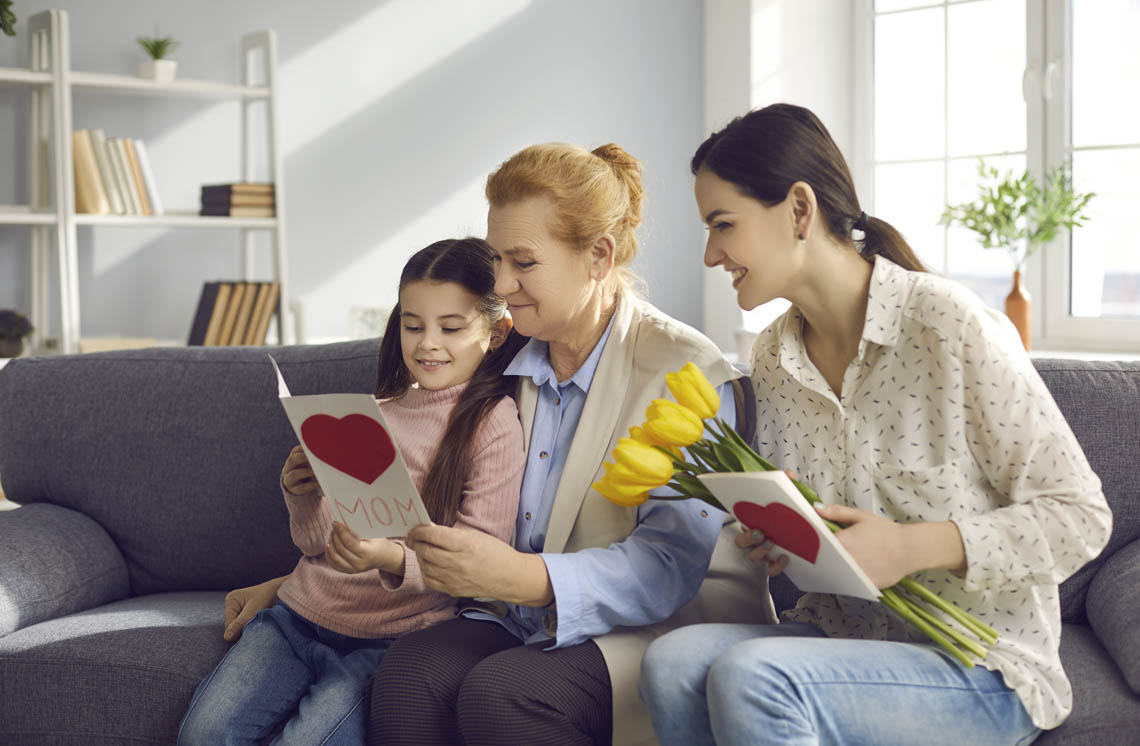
[(297, 476), (467, 563), (243, 603), (350, 554), (761, 550)]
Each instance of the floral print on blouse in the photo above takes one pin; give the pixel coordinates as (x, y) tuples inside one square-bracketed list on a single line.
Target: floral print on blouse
[(942, 417)]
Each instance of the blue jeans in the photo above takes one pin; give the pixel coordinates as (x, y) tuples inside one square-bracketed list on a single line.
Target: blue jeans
[(789, 684), (285, 670)]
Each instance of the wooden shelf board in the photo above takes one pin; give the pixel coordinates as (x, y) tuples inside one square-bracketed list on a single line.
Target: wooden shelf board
[(24, 76), (24, 215), (134, 85), (175, 219)]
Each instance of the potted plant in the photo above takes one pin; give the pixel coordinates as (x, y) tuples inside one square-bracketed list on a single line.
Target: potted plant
[(7, 18), (1016, 214), (13, 328), (157, 67)]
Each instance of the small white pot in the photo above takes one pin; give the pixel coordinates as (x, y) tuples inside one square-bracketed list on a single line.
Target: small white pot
[(160, 71)]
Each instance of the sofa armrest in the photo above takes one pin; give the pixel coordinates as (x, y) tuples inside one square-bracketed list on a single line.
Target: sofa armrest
[(1114, 612), (55, 561)]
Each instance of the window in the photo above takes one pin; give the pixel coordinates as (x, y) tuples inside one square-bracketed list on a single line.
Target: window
[(1022, 84)]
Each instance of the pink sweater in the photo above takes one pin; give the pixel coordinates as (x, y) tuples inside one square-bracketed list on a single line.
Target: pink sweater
[(378, 604)]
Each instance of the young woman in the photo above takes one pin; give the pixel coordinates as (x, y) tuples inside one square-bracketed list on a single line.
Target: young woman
[(302, 666), (912, 409)]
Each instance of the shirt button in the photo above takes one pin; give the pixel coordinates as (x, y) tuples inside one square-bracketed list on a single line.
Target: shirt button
[(528, 516), (558, 400), (544, 454), (704, 514)]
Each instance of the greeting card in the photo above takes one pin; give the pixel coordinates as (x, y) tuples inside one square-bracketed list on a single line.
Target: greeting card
[(769, 502), (355, 461)]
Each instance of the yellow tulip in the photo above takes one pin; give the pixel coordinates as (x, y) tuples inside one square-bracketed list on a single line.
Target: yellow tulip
[(639, 434), (623, 495), (620, 474), (693, 390), (673, 424), (646, 462)]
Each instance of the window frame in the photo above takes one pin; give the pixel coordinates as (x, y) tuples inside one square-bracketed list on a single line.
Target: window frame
[(1047, 90)]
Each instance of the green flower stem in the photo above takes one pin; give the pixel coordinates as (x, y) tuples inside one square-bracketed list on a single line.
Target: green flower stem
[(971, 646), (985, 632), (900, 607)]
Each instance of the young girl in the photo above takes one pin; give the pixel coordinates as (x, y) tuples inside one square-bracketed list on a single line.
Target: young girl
[(911, 407), (302, 666)]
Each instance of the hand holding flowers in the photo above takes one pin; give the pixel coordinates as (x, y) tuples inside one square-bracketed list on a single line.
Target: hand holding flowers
[(651, 458)]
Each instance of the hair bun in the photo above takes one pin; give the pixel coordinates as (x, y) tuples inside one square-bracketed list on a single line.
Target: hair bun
[(628, 169)]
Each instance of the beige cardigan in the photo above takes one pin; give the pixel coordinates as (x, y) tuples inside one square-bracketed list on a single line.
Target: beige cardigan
[(644, 344)]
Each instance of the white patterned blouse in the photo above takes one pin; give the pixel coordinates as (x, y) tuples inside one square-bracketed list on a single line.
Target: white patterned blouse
[(943, 417)]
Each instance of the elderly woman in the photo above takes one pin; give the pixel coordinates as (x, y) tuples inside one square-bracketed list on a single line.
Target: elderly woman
[(550, 651)]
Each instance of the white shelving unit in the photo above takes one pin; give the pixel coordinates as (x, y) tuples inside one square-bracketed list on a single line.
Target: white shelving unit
[(50, 211)]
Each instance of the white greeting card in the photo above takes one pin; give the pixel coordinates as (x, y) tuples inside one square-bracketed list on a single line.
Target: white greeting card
[(768, 501), (357, 464)]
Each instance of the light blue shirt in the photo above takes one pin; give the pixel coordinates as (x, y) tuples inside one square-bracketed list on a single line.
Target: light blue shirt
[(637, 581)]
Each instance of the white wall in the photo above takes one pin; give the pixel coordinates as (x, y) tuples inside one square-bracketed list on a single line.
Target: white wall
[(392, 114), (759, 52)]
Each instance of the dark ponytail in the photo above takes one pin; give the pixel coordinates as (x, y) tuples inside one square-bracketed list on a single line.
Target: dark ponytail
[(468, 263), (766, 151)]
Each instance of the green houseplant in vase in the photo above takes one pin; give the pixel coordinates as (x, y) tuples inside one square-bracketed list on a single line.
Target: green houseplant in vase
[(1017, 214), (157, 67), (13, 328)]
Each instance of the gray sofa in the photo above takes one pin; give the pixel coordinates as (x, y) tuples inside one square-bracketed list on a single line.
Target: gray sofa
[(149, 485)]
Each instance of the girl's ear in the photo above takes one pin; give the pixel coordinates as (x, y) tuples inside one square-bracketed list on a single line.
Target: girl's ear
[(499, 332)]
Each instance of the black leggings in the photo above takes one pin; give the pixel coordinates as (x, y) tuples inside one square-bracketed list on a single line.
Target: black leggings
[(471, 682)]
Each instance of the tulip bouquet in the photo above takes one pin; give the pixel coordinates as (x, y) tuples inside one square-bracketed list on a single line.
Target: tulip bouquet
[(651, 457)]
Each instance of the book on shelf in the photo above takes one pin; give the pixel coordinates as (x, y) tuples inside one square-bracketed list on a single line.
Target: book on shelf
[(241, 321), (136, 176), (147, 177), (107, 173), (238, 187), (205, 311), (221, 303), (238, 200), (238, 211), (233, 313), (90, 196), (123, 174)]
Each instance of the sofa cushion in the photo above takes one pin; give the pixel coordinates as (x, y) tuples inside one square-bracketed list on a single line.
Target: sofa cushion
[(1104, 710), (1101, 402), (122, 673), (176, 452), (54, 561), (1113, 607)]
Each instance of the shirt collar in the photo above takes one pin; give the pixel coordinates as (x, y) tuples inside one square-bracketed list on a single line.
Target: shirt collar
[(533, 361), (887, 297)]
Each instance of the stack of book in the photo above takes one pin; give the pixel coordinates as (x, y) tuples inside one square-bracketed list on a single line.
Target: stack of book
[(234, 313), (112, 175), (240, 200)]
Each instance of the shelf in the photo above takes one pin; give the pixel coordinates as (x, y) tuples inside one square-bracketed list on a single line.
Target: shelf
[(24, 215), (130, 84), (175, 220), (24, 76)]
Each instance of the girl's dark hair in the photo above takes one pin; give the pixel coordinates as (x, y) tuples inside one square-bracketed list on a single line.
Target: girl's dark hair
[(765, 151), (468, 263)]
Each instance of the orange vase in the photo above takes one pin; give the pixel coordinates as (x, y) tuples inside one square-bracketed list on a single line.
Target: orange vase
[(1017, 308)]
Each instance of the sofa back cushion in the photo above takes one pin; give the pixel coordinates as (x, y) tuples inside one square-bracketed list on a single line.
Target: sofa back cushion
[(1101, 402), (175, 452)]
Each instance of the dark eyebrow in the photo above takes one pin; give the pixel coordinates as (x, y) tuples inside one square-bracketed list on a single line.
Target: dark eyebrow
[(461, 317), (714, 214)]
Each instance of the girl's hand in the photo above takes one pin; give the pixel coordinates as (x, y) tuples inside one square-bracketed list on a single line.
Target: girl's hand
[(761, 550), (879, 545), (350, 554), (297, 475), (467, 563), (243, 603)]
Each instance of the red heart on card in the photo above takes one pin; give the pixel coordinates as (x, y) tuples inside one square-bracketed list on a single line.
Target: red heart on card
[(783, 525), (357, 445)]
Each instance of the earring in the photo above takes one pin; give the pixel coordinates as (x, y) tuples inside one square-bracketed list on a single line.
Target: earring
[(800, 236)]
